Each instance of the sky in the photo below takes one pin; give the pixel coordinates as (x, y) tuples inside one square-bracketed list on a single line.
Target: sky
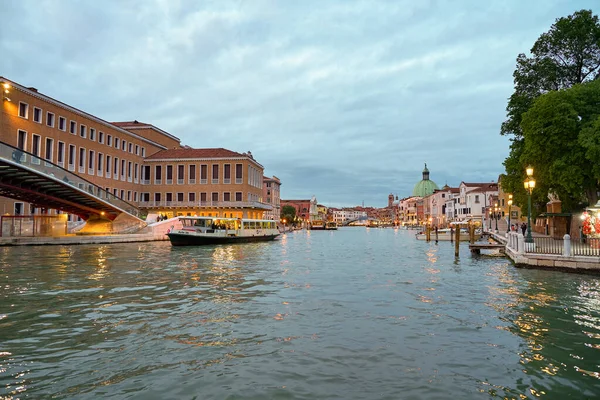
[(344, 100)]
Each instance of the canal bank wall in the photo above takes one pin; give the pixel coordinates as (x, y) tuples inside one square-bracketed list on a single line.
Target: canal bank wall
[(153, 232), (524, 259)]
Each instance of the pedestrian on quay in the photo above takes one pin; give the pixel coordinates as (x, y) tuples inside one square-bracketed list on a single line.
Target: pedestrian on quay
[(524, 228)]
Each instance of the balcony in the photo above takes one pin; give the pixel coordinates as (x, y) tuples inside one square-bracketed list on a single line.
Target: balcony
[(205, 204)]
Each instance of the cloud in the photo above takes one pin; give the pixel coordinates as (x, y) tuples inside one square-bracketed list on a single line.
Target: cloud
[(343, 100)]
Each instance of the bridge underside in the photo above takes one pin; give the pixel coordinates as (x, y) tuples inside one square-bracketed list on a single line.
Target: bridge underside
[(30, 186)]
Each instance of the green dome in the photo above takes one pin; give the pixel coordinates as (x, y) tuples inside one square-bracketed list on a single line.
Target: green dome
[(426, 186)]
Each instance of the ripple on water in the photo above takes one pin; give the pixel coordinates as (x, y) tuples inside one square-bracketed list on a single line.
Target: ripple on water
[(350, 314)]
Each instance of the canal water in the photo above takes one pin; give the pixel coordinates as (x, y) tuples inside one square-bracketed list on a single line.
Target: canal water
[(352, 314)]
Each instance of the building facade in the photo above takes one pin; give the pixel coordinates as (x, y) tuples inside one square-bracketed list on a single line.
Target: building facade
[(137, 162), (272, 196)]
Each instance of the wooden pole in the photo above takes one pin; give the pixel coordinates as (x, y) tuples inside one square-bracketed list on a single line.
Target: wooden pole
[(456, 240)]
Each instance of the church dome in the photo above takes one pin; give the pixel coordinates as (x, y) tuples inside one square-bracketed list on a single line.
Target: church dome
[(426, 186)]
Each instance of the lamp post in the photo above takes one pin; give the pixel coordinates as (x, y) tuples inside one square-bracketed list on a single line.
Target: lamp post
[(509, 204), (529, 185), (496, 215), (490, 219)]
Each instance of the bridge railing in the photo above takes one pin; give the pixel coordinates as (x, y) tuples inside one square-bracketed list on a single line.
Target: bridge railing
[(55, 172)]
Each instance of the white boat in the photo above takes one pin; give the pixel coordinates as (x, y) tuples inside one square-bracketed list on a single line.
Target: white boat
[(214, 230), (445, 234)]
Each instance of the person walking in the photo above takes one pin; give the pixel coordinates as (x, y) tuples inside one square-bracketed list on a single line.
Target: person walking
[(523, 228)]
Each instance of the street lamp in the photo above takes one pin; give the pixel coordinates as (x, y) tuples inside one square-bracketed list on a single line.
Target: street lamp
[(509, 204), (529, 185), (496, 215), (491, 215)]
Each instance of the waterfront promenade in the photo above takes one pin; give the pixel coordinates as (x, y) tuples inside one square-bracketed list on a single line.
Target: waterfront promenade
[(547, 252)]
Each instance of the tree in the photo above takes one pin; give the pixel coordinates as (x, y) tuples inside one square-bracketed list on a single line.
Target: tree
[(561, 140), (288, 213), (566, 55)]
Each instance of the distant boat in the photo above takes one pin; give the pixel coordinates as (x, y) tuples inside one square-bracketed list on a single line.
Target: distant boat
[(331, 226), (444, 234), (213, 230), (317, 225)]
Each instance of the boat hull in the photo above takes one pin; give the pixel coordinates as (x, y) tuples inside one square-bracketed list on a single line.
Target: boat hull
[(178, 239)]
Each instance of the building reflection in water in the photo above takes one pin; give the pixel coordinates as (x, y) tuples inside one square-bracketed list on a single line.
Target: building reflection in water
[(559, 322)]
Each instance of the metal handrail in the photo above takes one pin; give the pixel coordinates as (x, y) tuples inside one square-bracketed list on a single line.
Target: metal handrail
[(53, 171)]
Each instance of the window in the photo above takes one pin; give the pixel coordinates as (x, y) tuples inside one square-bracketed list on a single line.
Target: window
[(129, 172), (91, 162), (180, 197), (116, 192), (73, 128), (23, 110), (137, 150), (81, 159), (116, 168), (129, 195), (476, 198), (157, 174), (71, 157), (37, 115), (108, 164), (50, 119), (145, 197), (117, 143), (122, 193), (21, 139), (19, 208), (135, 172), (215, 173), (36, 143), (169, 175), (215, 197), (131, 147), (92, 134), (109, 140), (238, 196), (143, 152), (100, 166), (101, 137), (168, 197), (123, 169), (203, 197), (83, 131), (49, 149), (239, 174), (180, 177), (502, 202), (203, 173), (227, 173), (191, 197), (135, 196), (226, 196), (62, 123), (146, 174), (123, 145), (192, 174), (157, 197), (60, 157)]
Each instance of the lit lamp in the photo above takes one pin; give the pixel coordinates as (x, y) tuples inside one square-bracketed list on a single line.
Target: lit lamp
[(5, 91), (529, 185), (509, 204), (496, 209)]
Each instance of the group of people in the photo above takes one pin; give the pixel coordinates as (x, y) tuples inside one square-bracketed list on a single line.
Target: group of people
[(516, 227), (161, 217)]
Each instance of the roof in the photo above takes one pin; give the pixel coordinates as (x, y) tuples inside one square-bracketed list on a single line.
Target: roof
[(424, 188), (195, 153), (134, 123)]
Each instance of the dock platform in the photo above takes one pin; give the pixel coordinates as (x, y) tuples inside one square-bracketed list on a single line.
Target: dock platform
[(477, 247)]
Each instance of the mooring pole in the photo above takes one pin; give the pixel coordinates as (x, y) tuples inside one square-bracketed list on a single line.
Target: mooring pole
[(456, 240)]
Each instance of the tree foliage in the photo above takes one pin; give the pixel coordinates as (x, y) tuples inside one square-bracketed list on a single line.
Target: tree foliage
[(289, 213), (567, 55)]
